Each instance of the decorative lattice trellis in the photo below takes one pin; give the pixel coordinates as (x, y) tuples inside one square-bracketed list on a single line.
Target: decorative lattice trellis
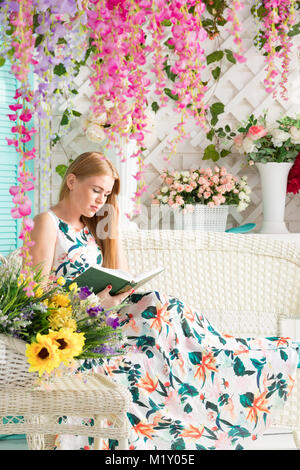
[(240, 88)]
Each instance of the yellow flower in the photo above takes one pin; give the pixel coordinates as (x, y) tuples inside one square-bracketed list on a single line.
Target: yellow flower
[(73, 287), (61, 281), (60, 317), (60, 300), (69, 343), (39, 292), (42, 355)]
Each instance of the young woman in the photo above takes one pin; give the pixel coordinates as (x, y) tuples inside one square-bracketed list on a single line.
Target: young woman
[(192, 387)]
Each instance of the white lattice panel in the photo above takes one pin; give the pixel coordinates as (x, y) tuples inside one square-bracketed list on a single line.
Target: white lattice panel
[(240, 88)]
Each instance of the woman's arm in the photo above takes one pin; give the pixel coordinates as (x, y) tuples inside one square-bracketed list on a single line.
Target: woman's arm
[(44, 236)]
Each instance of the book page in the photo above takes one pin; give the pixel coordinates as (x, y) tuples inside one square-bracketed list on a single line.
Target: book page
[(148, 274), (115, 272)]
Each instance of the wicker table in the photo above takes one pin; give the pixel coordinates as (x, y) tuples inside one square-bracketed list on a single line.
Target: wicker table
[(98, 404)]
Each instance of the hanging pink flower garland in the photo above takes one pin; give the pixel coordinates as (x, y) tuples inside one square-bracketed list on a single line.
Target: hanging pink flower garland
[(23, 43), (277, 20)]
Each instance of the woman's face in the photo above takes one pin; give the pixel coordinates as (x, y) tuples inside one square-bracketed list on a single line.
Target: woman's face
[(90, 194)]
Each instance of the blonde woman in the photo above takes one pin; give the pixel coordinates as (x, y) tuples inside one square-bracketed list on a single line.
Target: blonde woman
[(192, 387)]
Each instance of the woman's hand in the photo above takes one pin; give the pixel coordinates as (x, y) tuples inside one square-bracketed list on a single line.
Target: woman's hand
[(109, 301)]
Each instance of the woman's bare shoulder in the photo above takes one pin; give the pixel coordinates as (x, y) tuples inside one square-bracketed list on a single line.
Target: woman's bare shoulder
[(44, 222)]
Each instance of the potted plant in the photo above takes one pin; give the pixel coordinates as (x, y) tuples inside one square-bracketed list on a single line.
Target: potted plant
[(273, 149), (201, 197)]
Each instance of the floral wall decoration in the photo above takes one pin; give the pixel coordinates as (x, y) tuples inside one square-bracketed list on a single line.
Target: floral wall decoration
[(131, 45)]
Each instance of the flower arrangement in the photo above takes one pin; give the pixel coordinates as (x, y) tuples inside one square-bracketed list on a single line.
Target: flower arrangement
[(265, 143), (59, 323), (184, 189)]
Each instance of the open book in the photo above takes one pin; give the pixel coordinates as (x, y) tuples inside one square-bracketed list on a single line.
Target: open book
[(98, 278)]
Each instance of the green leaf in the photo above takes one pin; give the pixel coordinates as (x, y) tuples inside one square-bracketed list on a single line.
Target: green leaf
[(214, 57), (217, 108), (59, 69), (229, 56), (154, 106), (61, 170), (64, 120), (211, 406), (224, 153), (247, 399), (170, 94), (76, 113), (38, 40), (166, 23), (210, 134), (216, 72), (210, 153), (2, 61), (195, 357), (283, 355)]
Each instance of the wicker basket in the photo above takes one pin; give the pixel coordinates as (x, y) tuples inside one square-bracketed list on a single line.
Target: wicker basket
[(204, 219), (14, 368)]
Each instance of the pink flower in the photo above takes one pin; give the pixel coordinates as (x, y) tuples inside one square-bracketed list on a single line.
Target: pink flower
[(206, 194), (238, 140), (256, 132), (26, 115), (15, 107), (188, 188)]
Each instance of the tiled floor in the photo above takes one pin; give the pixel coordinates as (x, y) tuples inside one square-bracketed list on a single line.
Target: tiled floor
[(274, 440)]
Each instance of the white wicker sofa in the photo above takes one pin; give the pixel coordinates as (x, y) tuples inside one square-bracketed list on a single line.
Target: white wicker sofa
[(246, 285)]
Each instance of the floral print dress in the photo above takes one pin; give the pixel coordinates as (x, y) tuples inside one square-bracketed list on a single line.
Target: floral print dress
[(192, 386)]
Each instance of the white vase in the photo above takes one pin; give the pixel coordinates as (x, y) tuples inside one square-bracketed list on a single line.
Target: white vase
[(273, 178)]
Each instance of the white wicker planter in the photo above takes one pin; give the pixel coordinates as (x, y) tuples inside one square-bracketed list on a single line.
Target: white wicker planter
[(14, 367), (204, 219)]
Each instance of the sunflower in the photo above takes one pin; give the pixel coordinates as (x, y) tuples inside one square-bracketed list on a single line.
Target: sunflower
[(69, 343), (42, 355)]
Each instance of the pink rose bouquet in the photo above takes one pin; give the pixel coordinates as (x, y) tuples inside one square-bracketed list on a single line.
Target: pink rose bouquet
[(211, 187)]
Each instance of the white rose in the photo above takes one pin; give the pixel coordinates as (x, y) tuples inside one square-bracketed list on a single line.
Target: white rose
[(186, 174), (279, 136), (164, 189), (95, 133), (248, 145), (185, 180), (176, 175), (242, 206), (165, 199), (295, 135)]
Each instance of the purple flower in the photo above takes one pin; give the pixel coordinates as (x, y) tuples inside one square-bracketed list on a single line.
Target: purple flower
[(84, 293), (113, 322), (93, 311), (104, 350)]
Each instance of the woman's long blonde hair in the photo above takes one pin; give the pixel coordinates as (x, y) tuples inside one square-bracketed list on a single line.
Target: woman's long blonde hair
[(95, 164)]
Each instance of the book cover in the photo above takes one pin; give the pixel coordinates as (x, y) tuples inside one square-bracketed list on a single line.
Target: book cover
[(98, 278)]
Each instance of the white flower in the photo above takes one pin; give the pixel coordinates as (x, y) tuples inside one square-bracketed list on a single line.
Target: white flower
[(176, 175), (186, 174), (241, 206), (279, 136), (248, 145), (164, 189), (165, 199), (95, 133), (295, 135)]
